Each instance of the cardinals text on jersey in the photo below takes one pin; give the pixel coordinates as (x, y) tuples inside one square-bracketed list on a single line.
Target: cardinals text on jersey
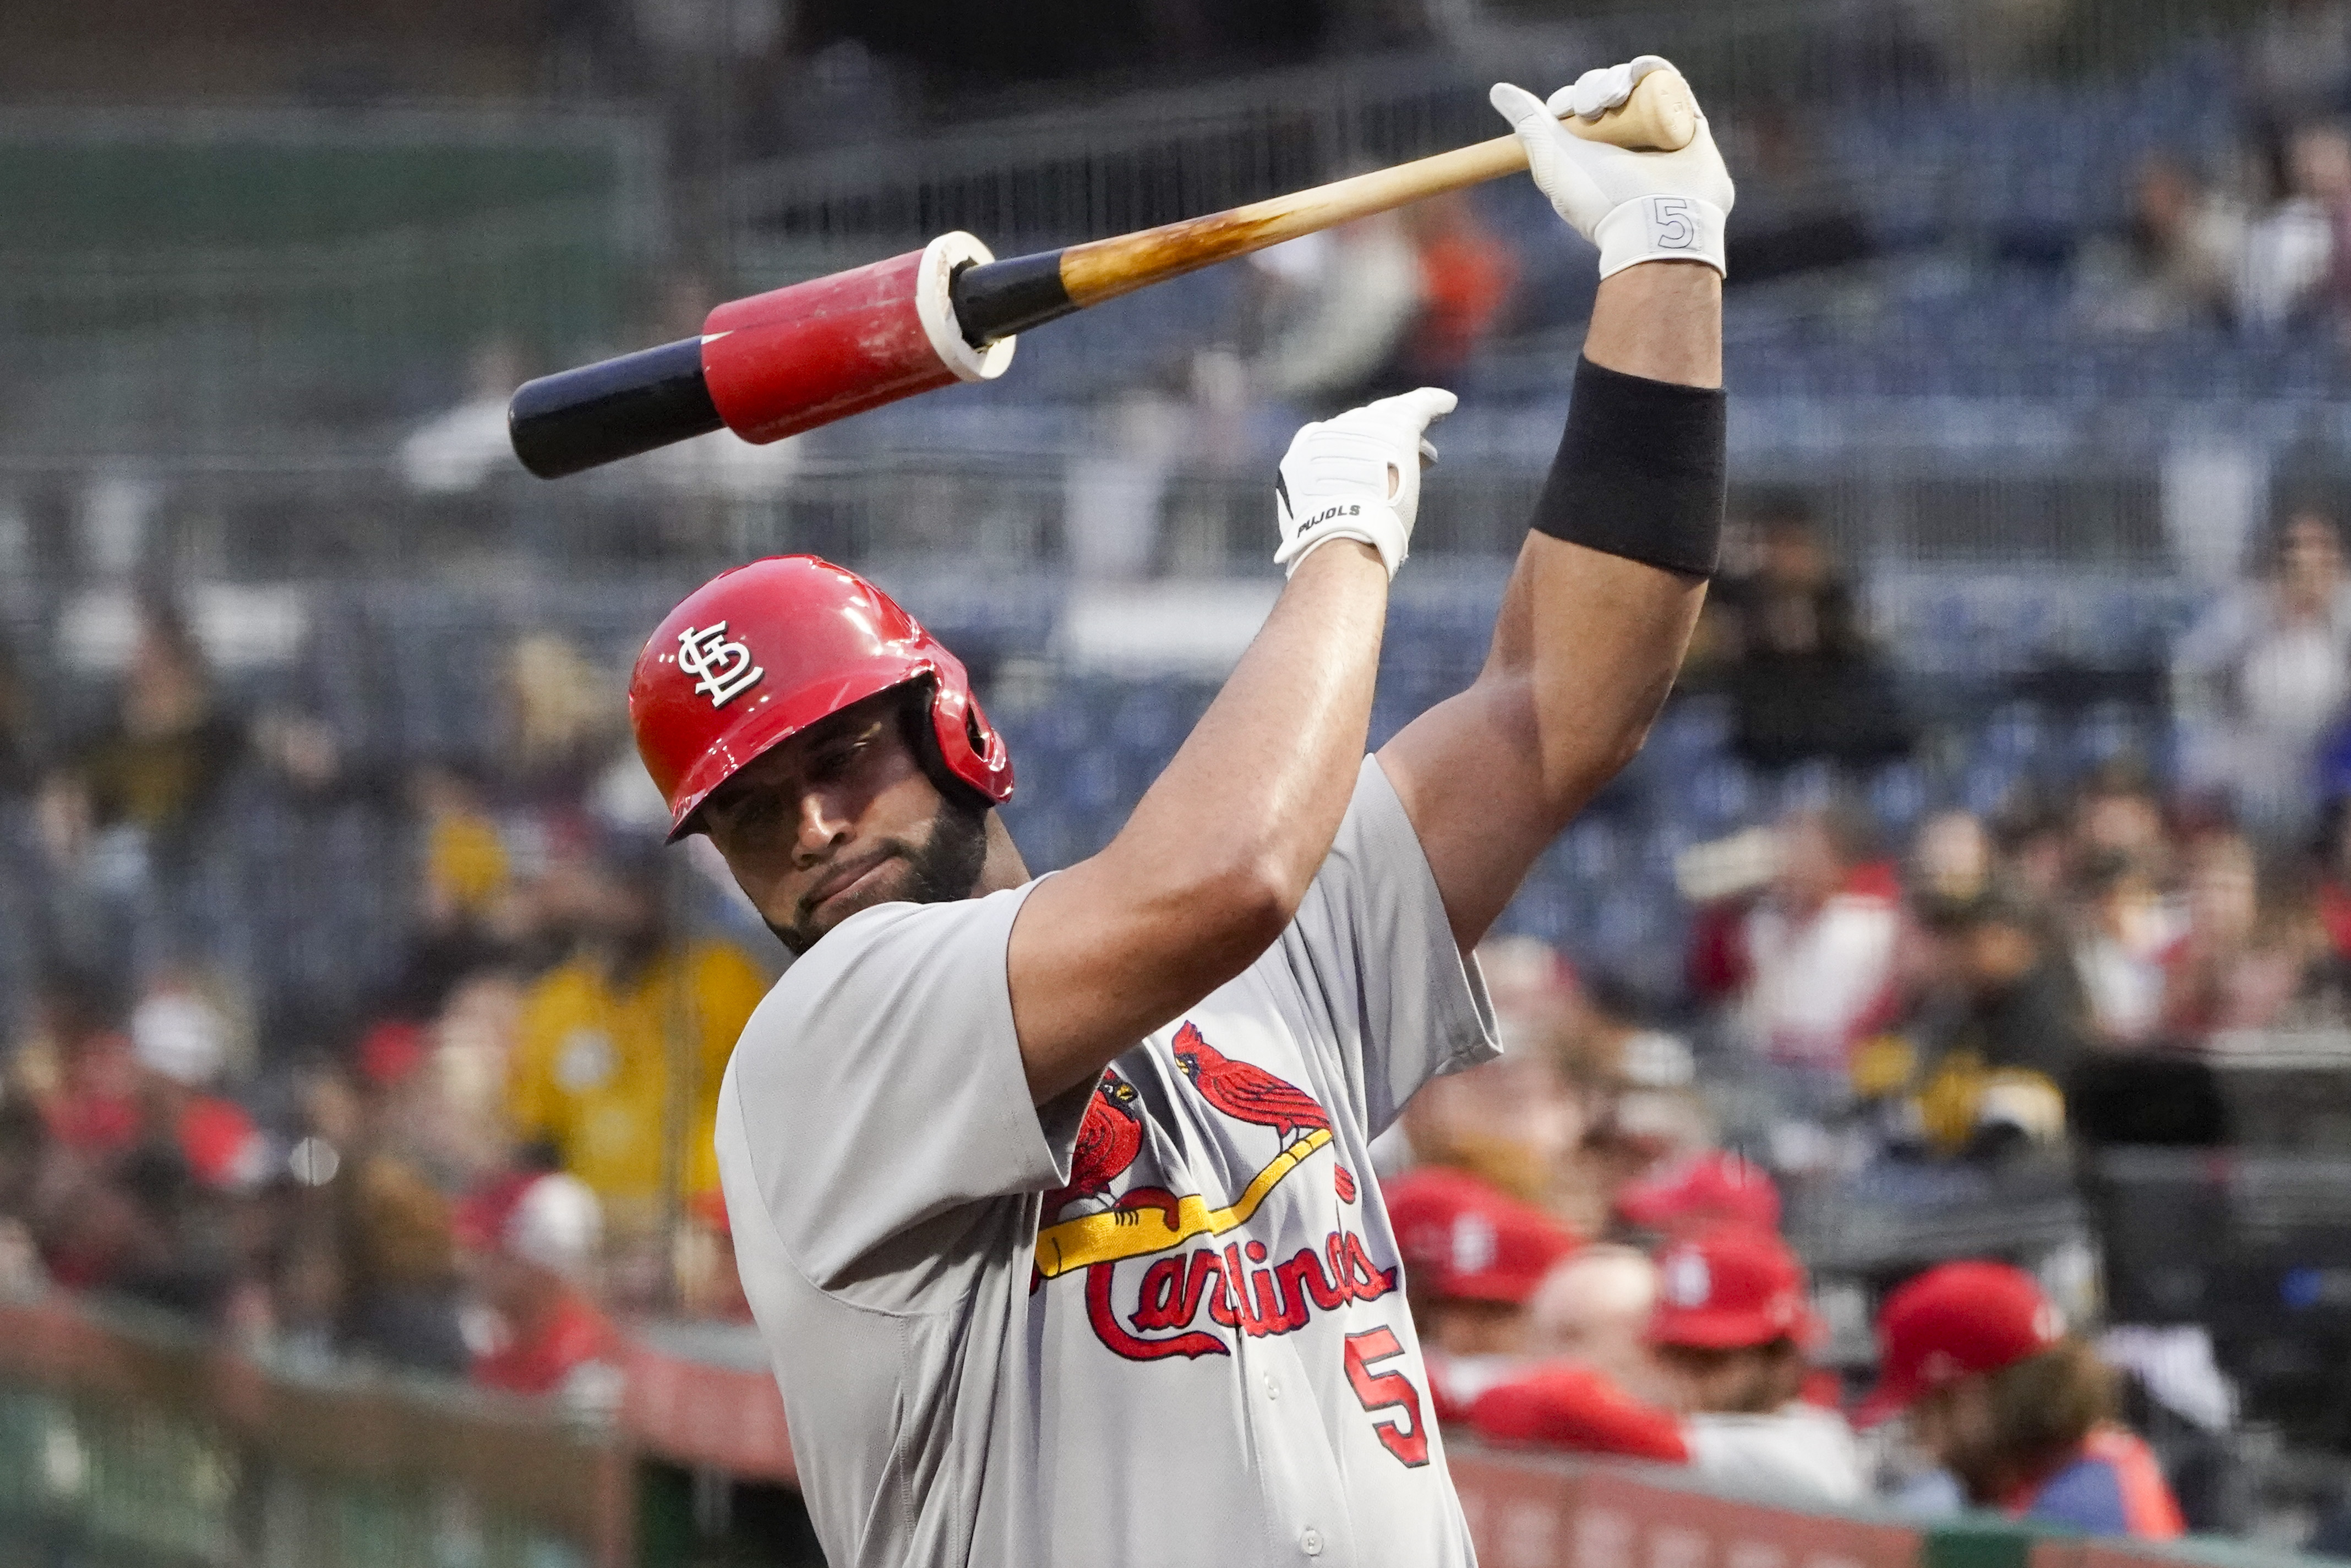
[(1237, 1285)]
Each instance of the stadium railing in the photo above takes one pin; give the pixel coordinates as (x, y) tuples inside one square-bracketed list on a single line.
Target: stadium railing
[(131, 1439), (130, 1442)]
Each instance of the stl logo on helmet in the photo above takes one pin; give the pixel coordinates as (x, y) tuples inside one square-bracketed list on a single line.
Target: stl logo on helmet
[(724, 667)]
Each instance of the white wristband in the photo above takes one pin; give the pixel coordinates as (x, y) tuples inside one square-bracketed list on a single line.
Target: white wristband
[(1373, 523), (1659, 228)]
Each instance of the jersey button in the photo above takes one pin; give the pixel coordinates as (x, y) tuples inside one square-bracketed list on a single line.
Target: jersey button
[(1272, 1386), (1309, 1542)]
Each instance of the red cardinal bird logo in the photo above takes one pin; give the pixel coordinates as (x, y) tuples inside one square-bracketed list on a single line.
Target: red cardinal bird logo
[(1248, 1093), (1108, 1140)]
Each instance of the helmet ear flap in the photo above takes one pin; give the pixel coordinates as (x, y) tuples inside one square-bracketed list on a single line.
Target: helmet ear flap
[(982, 762), (930, 727)]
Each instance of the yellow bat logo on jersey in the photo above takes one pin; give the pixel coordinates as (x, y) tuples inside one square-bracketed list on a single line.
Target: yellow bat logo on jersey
[(1123, 1233)]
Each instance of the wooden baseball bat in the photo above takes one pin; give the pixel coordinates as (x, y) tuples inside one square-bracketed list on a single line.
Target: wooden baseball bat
[(821, 350), (996, 299)]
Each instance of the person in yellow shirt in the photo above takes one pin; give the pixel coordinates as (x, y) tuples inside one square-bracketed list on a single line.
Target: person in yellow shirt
[(592, 1069), (466, 869)]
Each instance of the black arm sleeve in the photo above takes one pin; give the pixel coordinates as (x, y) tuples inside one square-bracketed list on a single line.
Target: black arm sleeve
[(1639, 472)]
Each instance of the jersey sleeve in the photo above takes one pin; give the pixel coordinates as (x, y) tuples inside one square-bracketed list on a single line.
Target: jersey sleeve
[(879, 1086), (1373, 952)]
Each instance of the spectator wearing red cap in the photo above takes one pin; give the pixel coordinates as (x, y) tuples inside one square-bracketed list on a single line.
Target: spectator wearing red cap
[(1591, 1390), (1578, 1407), (1728, 1340), (2017, 1410), (1732, 1333), (1700, 1191), (549, 1335), (1472, 1258)]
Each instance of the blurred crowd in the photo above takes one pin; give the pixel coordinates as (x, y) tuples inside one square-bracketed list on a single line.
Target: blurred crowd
[(1933, 995), (2263, 244), (505, 1136), (1592, 1272), (1594, 1225), (462, 1170), (1684, 1335)]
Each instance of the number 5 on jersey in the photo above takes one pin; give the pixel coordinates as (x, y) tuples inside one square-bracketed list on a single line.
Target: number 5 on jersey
[(1407, 1438)]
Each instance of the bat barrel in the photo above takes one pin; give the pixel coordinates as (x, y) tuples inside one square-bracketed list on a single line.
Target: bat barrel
[(770, 366), (805, 355), (615, 408)]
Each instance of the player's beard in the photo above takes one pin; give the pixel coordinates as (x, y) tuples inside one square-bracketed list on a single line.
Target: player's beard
[(942, 869)]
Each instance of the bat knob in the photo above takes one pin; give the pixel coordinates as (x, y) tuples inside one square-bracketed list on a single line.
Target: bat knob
[(1660, 115), (615, 408)]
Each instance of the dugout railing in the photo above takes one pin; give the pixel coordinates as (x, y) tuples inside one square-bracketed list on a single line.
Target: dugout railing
[(129, 1438)]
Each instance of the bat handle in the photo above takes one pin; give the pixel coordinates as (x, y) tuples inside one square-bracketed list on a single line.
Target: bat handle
[(1658, 116), (996, 299)]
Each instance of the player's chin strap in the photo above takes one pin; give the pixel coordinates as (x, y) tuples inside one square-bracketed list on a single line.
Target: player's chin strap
[(1639, 472)]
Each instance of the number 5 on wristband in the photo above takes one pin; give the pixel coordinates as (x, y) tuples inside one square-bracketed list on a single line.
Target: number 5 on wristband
[(1635, 206)]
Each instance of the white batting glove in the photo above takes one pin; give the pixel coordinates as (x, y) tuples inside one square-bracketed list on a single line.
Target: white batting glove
[(1635, 206), (1357, 476)]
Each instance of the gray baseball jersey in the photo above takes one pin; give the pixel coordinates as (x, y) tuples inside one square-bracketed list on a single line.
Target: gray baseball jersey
[(1158, 1321)]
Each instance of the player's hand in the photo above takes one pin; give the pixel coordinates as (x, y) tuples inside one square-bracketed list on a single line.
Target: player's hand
[(1357, 476), (1635, 206)]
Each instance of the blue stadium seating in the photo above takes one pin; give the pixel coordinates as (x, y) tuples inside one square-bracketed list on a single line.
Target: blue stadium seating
[(1979, 208)]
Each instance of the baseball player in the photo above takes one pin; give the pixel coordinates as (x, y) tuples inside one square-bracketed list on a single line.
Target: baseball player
[(1052, 1197)]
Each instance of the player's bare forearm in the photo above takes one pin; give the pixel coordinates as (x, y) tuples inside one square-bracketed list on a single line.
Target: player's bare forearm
[(1584, 651), (1662, 319), (1217, 857), (1491, 776)]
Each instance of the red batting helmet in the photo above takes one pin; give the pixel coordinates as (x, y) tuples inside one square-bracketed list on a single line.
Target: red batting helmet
[(759, 653)]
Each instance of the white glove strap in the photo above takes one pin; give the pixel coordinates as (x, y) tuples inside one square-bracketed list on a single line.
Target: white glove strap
[(1373, 523), (1659, 228)]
